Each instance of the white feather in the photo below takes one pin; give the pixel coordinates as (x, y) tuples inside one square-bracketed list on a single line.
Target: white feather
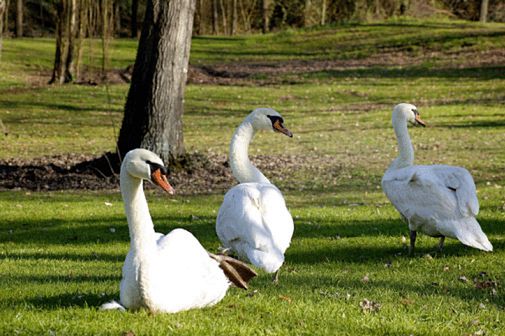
[(253, 220), (164, 273), (436, 199)]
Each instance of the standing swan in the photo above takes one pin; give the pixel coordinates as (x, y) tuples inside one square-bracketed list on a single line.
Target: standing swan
[(438, 200), (166, 273), (253, 220)]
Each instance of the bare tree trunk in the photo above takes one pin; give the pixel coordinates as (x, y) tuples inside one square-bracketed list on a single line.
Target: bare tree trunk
[(6, 19), (72, 29), (323, 12), (198, 18), (234, 17), (106, 34), (19, 18), (214, 17), (264, 16), (223, 16), (80, 35), (306, 13), (483, 10), (154, 107), (60, 56), (2, 11), (134, 24)]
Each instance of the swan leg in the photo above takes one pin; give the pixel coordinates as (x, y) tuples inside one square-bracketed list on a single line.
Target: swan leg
[(441, 243), (275, 278), (413, 235)]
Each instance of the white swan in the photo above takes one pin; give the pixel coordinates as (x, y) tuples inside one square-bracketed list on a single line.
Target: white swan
[(438, 200), (166, 273), (253, 220)]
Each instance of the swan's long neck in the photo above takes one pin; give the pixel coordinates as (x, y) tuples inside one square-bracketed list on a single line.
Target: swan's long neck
[(406, 151), (241, 167), (142, 234)]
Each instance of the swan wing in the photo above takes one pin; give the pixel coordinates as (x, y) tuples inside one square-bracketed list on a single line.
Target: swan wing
[(188, 277), (460, 181), (416, 192), (254, 221)]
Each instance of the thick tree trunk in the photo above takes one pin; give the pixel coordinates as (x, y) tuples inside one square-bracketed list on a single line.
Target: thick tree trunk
[(154, 107), (19, 18), (483, 10), (2, 11), (264, 16), (134, 24)]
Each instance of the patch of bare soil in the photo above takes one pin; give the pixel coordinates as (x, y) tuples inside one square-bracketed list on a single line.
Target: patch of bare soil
[(242, 73), (194, 174)]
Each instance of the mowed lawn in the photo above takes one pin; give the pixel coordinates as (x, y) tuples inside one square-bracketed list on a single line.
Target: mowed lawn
[(61, 252)]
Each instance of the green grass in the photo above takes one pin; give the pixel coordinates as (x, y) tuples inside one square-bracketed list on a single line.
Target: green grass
[(59, 259)]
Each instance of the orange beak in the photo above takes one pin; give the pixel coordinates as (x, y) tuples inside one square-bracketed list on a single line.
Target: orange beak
[(279, 127), (161, 181), (419, 121)]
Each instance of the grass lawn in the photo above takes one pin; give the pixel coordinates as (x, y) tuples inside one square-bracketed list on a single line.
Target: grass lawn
[(61, 252)]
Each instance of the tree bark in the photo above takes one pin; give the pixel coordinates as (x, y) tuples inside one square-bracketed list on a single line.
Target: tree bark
[(19, 18), (2, 11), (323, 12), (60, 57), (214, 17), (483, 10), (264, 16), (234, 17), (134, 24), (223, 17), (154, 107), (72, 30)]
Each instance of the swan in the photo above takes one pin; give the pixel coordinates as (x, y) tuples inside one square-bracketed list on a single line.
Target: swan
[(253, 220), (166, 273), (438, 200)]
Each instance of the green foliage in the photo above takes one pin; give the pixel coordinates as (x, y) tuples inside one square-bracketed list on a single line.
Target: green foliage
[(61, 253)]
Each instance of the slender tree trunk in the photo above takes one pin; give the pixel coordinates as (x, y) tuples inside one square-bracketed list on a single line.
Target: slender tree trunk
[(72, 30), (306, 13), (483, 10), (264, 16), (223, 16), (6, 19), (60, 57), (2, 11), (80, 35), (198, 18), (134, 24), (234, 17), (323, 12), (214, 18), (154, 107), (19, 18), (106, 33)]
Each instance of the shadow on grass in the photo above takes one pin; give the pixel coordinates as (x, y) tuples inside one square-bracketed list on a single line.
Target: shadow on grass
[(426, 288)]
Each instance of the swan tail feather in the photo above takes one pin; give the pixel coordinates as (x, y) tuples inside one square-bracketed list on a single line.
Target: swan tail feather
[(112, 305), (238, 272), (470, 233)]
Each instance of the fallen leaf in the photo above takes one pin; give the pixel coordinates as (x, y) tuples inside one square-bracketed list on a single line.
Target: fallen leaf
[(285, 298), (462, 278), (365, 279), (368, 306)]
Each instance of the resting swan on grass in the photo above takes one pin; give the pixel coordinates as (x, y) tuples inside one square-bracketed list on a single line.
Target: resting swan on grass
[(438, 200), (253, 220), (166, 273)]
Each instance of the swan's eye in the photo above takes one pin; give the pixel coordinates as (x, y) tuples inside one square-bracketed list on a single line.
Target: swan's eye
[(273, 119), (416, 112), (155, 166)]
